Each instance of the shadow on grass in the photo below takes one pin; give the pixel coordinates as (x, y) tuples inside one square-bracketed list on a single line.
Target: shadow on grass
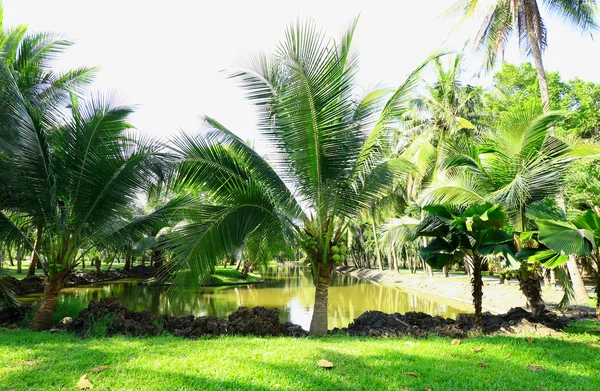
[(42, 361)]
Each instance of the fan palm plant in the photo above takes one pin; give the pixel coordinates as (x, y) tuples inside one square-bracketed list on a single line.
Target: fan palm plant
[(517, 163), (72, 174), (327, 161), (503, 18)]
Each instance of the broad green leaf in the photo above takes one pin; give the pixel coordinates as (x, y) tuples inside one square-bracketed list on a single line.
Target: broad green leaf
[(565, 237)]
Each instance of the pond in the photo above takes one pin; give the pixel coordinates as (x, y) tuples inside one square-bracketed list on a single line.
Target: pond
[(289, 289)]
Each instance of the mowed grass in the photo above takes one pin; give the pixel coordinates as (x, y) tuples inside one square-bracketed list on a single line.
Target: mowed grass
[(230, 276), (45, 361)]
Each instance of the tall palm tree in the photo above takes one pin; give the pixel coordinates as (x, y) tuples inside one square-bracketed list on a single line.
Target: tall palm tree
[(73, 174), (503, 18), (328, 163), (28, 56)]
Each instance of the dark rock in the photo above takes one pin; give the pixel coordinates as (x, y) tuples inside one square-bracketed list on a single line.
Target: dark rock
[(13, 316), (110, 317), (258, 321)]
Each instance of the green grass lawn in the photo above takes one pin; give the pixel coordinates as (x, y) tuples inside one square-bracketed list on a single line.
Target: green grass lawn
[(230, 276), (44, 361)]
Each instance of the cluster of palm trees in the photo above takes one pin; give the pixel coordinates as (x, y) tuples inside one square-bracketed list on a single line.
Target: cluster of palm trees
[(391, 172)]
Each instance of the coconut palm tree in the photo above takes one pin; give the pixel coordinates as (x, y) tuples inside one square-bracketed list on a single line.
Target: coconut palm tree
[(500, 19), (28, 56), (73, 174), (327, 160), (518, 162)]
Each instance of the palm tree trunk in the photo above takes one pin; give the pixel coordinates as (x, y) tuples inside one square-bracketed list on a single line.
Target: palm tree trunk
[(446, 273), (43, 316), (127, 266), (536, 52), (477, 284), (318, 323), (34, 254), (245, 270), (395, 256), (377, 254), (531, 288), (581, 295)]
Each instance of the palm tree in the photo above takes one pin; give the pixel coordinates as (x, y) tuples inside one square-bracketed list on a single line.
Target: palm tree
[(327, 161), (474, 232), (72, 174), (28, 57), (503, 18), (518, 162)]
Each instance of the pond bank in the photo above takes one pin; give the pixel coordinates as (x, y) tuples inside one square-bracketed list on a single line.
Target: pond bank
[(497, 298)]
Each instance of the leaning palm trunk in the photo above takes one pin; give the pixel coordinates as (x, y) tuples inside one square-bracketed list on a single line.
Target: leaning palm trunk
[(35, 253), (43, 316), (581, 295), (245, 270)]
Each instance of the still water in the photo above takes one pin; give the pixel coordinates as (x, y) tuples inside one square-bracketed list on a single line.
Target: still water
[(288, 288)]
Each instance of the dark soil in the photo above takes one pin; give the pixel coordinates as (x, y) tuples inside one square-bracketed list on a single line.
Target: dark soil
[(111, 318), (35, 284), (417, 324)]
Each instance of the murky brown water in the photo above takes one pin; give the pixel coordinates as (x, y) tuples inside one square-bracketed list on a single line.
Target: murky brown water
[(289, 289)]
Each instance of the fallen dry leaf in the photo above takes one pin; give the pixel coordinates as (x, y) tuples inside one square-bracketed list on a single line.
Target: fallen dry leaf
[(476, 350), (325, 364), (427, 388), (535, 368), (54, 330), (444, 354), (84, 383), (455, 342), (482, 365), (594, 345), (409, 343), (530, 340), (98, 369), (509, 355), (411, 374)]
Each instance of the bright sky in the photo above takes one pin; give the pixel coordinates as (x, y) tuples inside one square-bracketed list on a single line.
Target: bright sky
[(165, 57)]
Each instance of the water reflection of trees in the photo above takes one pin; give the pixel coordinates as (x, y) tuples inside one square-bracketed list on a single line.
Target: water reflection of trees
[(290, 289)]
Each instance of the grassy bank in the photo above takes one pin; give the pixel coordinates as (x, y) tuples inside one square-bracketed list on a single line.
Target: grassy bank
[(44, 361), (230, 276)]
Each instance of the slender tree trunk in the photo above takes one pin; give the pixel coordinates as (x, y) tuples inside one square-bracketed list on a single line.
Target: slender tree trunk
[(318, 323), (477, 284), (238, 265), (245, 270), (10, 258), (127, 266), (428, 270), (156, 258), (553, 279), (389, 260), (581, 295), (446, 273), (395, 256), (376, 242), (536, 53), (37, 245), (43, 316)]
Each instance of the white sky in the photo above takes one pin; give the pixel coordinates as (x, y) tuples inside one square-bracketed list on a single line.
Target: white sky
[(165, 56)]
